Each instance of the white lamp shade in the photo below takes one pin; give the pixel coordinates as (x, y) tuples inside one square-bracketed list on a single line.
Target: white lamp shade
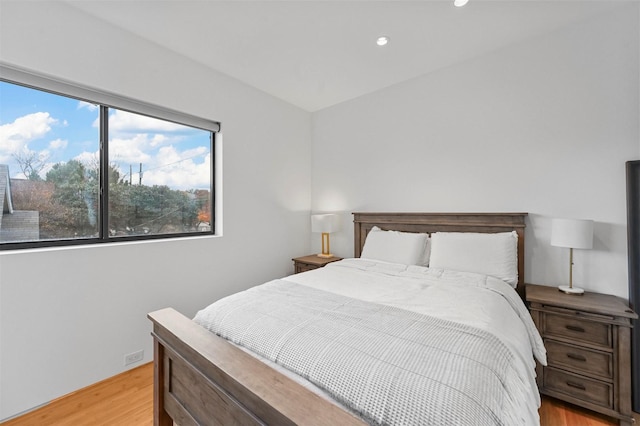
[(326, 223), (572, 233)]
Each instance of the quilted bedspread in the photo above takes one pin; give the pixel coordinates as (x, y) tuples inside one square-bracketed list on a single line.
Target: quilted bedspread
[(389, 365)]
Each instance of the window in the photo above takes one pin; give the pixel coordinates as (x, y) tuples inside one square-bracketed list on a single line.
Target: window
[(151, 178)]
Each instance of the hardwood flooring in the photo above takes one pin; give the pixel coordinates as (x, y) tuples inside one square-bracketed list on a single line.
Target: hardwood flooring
[(122, 400), (127, 400), (554, 412)]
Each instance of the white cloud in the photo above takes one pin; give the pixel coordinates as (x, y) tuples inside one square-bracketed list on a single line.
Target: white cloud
[(15, 136), (161, 165), (159, 140), (58, 144), (168, 155), (198, 151), (178, 170), (87, 105), (89, 159), (132, 150)]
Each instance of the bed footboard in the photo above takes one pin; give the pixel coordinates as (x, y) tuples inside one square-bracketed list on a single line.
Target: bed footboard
[(201, 379)]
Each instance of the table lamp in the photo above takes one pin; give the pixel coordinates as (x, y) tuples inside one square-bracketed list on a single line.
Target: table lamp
[(572, 233), (326, 224)]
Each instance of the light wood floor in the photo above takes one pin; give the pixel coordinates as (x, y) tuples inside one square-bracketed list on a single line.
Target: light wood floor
[(127, 400), (122, 400)]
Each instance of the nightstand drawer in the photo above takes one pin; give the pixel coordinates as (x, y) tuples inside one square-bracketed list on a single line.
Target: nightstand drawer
[(578, 329), (311, 262), (303, 267), (579, 359), (593, 391), (588, 349)]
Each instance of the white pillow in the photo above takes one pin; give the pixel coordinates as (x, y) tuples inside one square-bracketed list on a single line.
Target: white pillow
[(407, 248), (488, 254)]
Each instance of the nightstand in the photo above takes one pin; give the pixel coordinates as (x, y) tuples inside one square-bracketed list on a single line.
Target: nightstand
[(307, 263), (588, 349)]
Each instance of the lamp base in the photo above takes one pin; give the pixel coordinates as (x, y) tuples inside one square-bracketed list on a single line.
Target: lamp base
[(571, 290), (325, 256)]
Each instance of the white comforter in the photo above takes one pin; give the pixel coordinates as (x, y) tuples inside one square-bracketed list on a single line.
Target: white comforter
[(477, 300), (458, 296)]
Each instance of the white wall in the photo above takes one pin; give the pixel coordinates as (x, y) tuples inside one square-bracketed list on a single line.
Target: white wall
[(68, 316), (543, 127)]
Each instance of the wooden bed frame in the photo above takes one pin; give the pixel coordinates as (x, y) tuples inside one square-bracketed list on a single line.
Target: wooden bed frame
[(201, 379)]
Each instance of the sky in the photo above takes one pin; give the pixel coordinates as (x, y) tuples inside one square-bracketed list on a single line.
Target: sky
[(57, 129)]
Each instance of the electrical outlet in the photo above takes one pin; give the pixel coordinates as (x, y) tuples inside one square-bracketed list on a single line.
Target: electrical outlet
[(134, 357)]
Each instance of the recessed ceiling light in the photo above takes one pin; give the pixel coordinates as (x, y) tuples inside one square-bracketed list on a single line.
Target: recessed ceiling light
[(382, 40), (460, 3)]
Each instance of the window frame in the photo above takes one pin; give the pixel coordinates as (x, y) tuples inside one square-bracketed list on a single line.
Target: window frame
[(106, 101)]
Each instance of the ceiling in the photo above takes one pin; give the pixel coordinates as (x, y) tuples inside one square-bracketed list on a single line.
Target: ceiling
[(315, 54)]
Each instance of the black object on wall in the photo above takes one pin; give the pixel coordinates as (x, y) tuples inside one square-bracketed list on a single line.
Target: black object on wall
[(633, 240)]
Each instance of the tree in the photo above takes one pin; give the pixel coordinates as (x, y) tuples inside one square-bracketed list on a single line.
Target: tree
[(92, 186), (73, 189), (204, 205), (204, 216), (31, 163), (135, 209)]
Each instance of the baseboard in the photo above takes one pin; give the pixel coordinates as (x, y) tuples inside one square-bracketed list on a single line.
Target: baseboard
[(22, 413), (88, 391)]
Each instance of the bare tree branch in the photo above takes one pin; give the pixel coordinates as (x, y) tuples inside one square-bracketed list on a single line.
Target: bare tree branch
[(31, 163)]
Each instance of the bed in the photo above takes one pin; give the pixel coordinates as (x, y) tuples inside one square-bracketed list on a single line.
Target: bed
[(202, 378)]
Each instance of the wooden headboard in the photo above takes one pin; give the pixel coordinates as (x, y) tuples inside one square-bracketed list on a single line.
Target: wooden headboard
[(444, 222)]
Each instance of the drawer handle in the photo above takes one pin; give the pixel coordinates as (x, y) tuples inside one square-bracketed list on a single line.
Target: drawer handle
[(574, 328), (577, 357), (576, 385)]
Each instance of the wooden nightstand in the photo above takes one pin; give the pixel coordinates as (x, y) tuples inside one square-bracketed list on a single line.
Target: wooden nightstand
[(307, 263), (588, 349)]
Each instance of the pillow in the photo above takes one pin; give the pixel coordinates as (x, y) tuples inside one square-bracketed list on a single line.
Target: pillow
[(488, 254), (397, 247)]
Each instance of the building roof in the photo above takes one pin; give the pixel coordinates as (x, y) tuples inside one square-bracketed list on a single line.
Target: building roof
[(18, 225), (6, 205)]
